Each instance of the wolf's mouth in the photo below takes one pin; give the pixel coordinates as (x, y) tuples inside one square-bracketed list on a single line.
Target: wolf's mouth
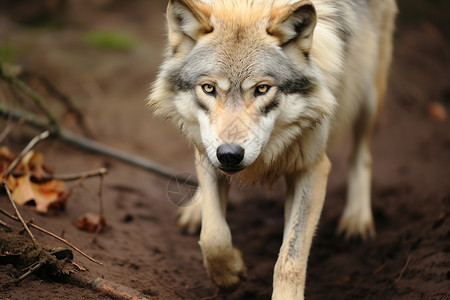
[(231, 170)]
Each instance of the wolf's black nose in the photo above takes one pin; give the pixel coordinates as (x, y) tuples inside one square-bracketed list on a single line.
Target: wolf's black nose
[(230, 155)]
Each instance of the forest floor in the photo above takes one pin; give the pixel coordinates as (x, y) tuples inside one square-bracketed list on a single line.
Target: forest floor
[(142, 247)]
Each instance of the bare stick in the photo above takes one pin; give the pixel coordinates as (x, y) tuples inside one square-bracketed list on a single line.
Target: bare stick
[(19, 216), (97, 147), (115, 290), (9, 128), (28, 224), (68, 103), (100, 200), (52, 235), (30, 271), (403, 269), (14, 80), (30, 146), (4, 225), (79, 267), (69, 177), (135, 160)]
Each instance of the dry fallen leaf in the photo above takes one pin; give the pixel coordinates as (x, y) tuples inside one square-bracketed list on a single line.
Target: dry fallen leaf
[(45, 195), (437, 111), (91, 222), (28, 182)]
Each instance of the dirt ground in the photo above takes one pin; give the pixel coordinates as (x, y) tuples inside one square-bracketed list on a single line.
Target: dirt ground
[(143, 248)]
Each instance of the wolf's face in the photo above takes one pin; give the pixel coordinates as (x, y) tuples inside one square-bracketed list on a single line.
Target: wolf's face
[(239, 81)]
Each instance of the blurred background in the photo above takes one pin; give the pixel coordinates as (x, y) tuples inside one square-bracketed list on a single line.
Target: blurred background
[(102, 55)]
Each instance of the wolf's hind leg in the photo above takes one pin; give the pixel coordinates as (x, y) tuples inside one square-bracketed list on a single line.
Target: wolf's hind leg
[(357, 219), (190, 217)]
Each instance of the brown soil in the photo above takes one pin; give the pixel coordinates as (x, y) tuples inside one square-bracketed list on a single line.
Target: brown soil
[(142, 247)]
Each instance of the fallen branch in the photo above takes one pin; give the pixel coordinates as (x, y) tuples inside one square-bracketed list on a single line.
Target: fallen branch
[(15, 81), (93, 146), (52, 235), (27, 149), (19, 216), (114, 290), (33, 269), (66, 101), (79, 141), (68, 177)]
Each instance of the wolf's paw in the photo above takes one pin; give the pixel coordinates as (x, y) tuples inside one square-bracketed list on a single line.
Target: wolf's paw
[(190, 218), (227, 271), (356, 226)]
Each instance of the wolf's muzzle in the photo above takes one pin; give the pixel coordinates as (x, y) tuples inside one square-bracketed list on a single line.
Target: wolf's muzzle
[(230, 156)]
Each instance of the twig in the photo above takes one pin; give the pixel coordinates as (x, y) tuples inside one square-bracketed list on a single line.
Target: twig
[(19, 216), (403, 269), (379, 269), (67, 243), (52, 235), (14, 80), (58, 253), (68, 177), (96, 147), (135, 160), (9, 128), (115, 290), (79, 267), (30, 146), (71, 107), (30, 271), (100, 200), (28, 224), (4, 225)]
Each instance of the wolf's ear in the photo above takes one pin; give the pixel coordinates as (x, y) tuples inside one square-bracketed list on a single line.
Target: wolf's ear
[(187, 19), (294, 23)]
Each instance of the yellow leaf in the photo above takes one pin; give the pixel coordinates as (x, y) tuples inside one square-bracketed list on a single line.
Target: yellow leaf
[(44, 195)]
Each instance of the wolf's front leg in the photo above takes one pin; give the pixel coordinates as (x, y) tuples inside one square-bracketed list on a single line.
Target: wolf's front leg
[(222, 261), (309, 188)]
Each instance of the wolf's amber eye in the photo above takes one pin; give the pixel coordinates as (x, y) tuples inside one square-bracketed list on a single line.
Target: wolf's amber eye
[(262, 89), (208, 89)]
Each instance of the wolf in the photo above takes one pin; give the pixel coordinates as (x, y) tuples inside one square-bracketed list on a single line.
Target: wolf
[(262, 89)]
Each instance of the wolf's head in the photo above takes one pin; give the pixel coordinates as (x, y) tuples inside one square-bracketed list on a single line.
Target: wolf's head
[(239, 80)]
